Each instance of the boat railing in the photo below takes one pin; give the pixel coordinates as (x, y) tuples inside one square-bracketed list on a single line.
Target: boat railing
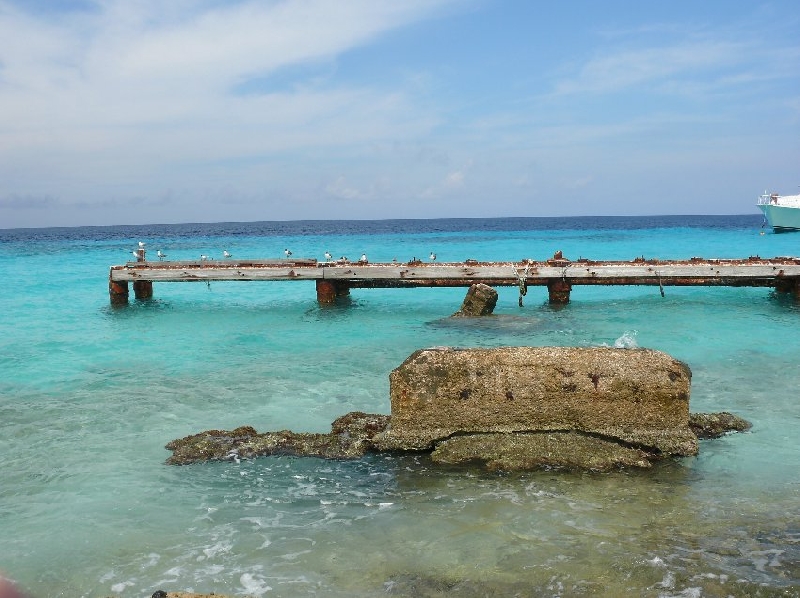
[(767, 198)]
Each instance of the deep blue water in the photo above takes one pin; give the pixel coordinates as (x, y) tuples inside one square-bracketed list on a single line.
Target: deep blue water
[(89, 395)]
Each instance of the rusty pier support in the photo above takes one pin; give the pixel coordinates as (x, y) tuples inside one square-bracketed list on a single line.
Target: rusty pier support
[(143, 289), (329, 290), (558, 290), (789, 285), (118, 292)]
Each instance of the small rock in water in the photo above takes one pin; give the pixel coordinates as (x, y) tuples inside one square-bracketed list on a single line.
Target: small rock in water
[(480, 300)]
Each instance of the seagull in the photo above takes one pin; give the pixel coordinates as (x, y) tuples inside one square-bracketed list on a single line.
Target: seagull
[(433, 257), (141, 244), (160, 255), (287, 252), (328, 256), (203, 257), (226, 253), (363, 258), (135, 254)]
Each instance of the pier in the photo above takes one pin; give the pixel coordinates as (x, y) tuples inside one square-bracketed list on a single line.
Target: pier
[(335, 278)]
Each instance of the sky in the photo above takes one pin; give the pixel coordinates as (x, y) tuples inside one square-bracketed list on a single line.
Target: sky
[(145, 111)]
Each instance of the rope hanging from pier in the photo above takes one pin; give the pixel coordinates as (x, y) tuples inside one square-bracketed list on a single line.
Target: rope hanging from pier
[(523, 283)]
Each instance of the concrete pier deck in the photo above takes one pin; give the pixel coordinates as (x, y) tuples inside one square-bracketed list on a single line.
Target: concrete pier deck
[(559, 274)]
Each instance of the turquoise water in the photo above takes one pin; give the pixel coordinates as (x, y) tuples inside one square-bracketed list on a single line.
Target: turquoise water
[(90, 394)]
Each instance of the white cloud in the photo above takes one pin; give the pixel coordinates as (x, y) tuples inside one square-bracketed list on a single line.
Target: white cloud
[(620, 71), (452, 182), (275, 106), (340, 188), (136, 91)]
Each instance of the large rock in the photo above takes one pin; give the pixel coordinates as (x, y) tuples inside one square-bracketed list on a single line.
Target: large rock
[(634, 398), (509, 408)]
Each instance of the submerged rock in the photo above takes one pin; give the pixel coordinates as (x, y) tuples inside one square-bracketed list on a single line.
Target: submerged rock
[(498, 451), (349, 439), (714, 425)]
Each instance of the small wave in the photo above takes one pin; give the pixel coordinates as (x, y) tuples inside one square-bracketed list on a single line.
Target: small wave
[(253, 585), (627, 340), (118, 588)]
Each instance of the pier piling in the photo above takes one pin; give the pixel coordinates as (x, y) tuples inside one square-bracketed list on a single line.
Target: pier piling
[(788, 285), (143, 289), (329, 290), (558, 291), (118, 292)]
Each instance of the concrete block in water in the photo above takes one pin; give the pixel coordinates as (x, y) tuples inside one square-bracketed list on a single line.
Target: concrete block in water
[(635, 398)]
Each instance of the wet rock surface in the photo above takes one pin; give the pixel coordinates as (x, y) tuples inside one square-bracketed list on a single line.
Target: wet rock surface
[(350, 438), (518, 451), (532, 450), (714, 425)]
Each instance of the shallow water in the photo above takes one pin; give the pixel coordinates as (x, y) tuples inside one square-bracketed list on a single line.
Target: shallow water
[(90, 394)]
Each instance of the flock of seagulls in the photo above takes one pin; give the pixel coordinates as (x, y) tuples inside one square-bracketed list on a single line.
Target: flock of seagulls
[(139, 254)]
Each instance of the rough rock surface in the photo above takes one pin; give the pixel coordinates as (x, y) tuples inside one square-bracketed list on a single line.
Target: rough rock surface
[(637, 398), (714, 425), (480, 300), (349, 438), (526, 450), (535, 450)]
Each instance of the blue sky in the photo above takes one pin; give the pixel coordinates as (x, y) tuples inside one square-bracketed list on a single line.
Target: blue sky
[(122, 112)]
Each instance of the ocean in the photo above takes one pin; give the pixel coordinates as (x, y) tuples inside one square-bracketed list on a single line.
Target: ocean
[(90, 394)]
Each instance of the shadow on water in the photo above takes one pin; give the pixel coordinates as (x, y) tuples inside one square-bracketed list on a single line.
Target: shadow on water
[(498, 323)]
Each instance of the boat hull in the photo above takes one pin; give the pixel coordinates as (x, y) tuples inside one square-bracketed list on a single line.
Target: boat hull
[(782, 218)]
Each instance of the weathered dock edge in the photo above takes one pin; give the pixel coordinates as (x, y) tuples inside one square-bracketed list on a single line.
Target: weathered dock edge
[(558, 274)]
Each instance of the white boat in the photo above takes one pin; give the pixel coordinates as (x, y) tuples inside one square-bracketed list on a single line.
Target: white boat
[(782, 212)]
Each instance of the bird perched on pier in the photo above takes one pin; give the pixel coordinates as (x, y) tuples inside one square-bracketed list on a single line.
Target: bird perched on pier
[(141, 244), (161, 255), (287, 252), (135, 254), (225, 253), (433, 257), (328, 256), (363, 258)]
